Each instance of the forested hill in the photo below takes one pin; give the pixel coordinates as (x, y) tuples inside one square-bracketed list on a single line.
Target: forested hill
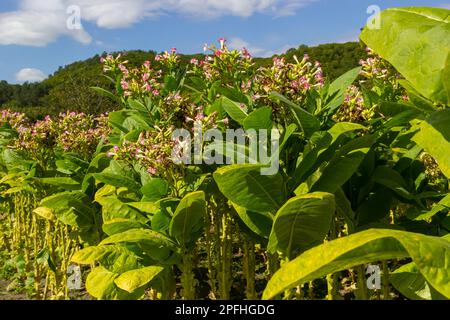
[(69, 87)]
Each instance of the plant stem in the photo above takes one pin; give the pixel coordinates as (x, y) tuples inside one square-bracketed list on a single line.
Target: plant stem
[(249, 269), (226, 257), (332, 279), (386, 289), (361, 292), (209, 252), (187, 276)]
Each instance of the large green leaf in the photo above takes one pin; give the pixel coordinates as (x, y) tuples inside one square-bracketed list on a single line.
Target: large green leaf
[(245, 186), (132, 280), (341, 84), (341, 128), (106, 93), (71, 208), (257, 222), (434, 137), (410, 282), (260, 118), (90, 255), (307, 122), (155, 189), (100, 284), (118, 181), (301, 223), (339, 171), (236, 111), (116, 258), (416, 41), (62, 182), (344, 208), (327, 147), (342, 165), (145, 206), (430, 254), (393, 180), (187, 221), (155, 244), (115, 211), (140, 235), (119, 225), (442, 205)]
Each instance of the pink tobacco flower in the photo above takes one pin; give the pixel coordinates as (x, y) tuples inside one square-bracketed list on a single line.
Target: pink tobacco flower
[(222, 42), (200, 116), (124, 84), (246, 54)]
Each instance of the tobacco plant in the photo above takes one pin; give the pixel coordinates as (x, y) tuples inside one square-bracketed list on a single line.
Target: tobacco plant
[(362, 177)]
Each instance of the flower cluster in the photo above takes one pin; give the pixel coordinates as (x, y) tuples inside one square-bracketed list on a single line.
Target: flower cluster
[(152, 150), (233, 68), (14, 119), (81, 133), (38, 139), (290, 79), (353, 109), (168, 59), (70, 132), (134, 82), (222, 69), (293, 80), (378, 73)]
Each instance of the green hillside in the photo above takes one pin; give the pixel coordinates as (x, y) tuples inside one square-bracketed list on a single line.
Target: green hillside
[(69, 87)]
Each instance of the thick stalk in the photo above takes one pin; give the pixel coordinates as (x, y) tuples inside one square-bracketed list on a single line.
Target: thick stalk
[(362, 291), (226, 258), (209, 252), (187, 277), (218, 246), (332, 279), (386, 289), (249, 269), (311, 290)]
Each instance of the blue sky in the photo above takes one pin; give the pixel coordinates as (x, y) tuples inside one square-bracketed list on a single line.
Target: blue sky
[(35, 39)]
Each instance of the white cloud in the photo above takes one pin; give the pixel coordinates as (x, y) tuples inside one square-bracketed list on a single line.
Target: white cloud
[(446, 6), (38, 23), (290, 7), (239, 43), (30, 75)]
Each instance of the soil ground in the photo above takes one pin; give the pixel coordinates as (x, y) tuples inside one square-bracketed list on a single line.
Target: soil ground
[(5, 295)]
